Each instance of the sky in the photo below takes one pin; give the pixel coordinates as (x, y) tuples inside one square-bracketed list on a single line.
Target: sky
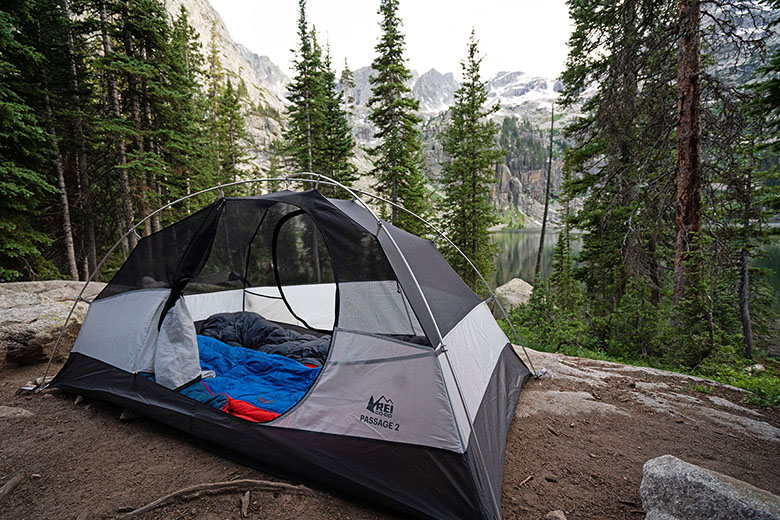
[(524, 35)]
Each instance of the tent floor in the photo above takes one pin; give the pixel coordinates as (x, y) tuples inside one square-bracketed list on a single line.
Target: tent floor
[(88, 459)]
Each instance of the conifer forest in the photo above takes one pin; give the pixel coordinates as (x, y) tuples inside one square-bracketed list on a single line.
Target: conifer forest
[(669, 169)]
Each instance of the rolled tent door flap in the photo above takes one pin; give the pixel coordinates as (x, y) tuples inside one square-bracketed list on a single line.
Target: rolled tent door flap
[(176, 360)]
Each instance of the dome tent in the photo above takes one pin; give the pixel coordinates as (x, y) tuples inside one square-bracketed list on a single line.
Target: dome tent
[(413, 403)]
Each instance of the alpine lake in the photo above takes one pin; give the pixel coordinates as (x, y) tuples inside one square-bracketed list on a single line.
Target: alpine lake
[(517, 251)]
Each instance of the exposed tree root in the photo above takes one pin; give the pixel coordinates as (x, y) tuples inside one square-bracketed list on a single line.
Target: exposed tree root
[(215, 488)]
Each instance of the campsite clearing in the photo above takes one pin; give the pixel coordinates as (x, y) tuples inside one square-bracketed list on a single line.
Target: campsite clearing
[(582, 432)]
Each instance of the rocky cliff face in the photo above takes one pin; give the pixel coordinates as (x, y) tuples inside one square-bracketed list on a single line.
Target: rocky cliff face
[(265, 82), (435, 91), (521, 95), (519, 186)]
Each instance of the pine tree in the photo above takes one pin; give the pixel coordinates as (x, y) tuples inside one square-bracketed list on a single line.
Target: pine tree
[(23, 149), (567, 291), (50, 26), (347, 80), (642, 182), (318, 137), (79, 103), (115, 125), (398, 157), (214, 85), (181, 121), (622, 146), (336, 146), (305, 93), (147, 70), (231, 133), (469, 141)]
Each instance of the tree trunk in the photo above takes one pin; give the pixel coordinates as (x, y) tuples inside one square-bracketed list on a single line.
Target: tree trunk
[(744, 282), (70, 250), (126, 215), (67, 231), (538, 269), (135, 112), (85, 202), (655, 278), (233, 152), (394, 198), (689, 172), (154, 144), (308, 136)]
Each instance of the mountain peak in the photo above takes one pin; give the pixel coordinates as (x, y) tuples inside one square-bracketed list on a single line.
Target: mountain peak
[(435, 91)]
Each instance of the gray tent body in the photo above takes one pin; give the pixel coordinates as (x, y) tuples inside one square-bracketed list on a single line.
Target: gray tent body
[(434, 449)]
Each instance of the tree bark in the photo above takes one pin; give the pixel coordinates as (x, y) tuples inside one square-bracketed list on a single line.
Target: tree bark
[(70, 250), (689, 171), (233, 151), (84, 202), (126, 215), (744, 282), (67, 230), (154, 144), (135, 112), (538, 269)]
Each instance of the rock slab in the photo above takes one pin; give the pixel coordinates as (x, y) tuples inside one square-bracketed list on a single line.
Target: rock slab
[(12, 412), (513, 293), (31, 315), (673, 489)]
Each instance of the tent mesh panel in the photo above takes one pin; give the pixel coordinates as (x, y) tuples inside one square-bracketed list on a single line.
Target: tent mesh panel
[(286, 239)]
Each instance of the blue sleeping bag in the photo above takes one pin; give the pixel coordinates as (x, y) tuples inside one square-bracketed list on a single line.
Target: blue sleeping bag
[(267, 381)]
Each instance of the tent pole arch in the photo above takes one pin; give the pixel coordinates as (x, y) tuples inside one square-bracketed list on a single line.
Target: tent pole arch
[(317, 179)]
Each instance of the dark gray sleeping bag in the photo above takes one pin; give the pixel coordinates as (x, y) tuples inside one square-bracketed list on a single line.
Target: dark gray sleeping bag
[(250, 330)]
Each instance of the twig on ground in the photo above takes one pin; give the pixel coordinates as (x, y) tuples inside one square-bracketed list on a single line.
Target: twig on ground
[(528, 478), (245, 504), (217, 488), (9, 486)]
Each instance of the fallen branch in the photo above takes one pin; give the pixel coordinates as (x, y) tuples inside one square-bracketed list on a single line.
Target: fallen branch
[(529, 477), (9, 486), (217, 488)]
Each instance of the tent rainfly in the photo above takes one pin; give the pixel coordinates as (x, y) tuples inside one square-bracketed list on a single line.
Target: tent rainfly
[(417, 385)]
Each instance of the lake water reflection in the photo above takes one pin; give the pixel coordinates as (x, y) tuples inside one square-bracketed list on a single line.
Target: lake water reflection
[(517, 257), (517, 253)]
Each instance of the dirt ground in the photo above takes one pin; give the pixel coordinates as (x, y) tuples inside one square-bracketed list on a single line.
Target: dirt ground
[(582, 433)]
